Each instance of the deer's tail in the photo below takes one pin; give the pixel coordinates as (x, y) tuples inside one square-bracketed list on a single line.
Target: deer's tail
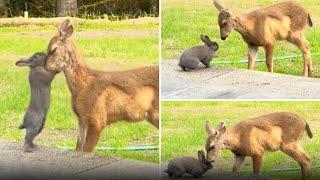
[(310, 21), (309, 131)]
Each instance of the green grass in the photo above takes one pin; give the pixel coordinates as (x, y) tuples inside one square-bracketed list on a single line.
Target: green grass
[(183, 131), (106, 53), (184, 20)]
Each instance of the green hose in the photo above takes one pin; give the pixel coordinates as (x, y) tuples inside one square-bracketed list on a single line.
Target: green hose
[(130, 148), (284, 58)]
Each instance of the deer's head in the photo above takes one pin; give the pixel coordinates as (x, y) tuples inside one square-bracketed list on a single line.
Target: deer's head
[(214, 143), (226, 20), (59, 48)]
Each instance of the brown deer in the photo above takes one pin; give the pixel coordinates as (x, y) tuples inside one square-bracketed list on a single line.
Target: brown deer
[(263, 27), (100, 98), (271, 132)]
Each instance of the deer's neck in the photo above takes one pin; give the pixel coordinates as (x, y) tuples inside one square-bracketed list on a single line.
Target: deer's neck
[(243, 25), (229, 141), (77, 73)]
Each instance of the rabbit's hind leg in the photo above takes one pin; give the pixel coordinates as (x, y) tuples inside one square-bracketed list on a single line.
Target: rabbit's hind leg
[(206, 62)]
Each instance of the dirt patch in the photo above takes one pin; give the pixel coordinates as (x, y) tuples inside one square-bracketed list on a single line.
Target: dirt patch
[(19, 21)]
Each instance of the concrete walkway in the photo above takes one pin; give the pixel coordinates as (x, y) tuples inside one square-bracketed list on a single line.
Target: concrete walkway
[(226, 83), (50, 163), (214, 174)]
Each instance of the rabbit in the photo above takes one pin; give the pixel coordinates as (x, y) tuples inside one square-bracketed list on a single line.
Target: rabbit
[(191, 58), (40, 85), (181, 165)]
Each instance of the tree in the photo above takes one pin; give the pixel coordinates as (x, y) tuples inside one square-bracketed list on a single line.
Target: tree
[(155, 7), (66, 8)]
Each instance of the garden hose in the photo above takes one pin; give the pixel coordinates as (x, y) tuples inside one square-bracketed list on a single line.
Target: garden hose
[(285, 58), (130, 148)]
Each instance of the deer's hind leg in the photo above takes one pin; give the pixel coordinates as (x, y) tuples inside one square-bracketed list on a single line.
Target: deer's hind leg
[(154, 118), (154, 112), (302, 43), (297, 153)]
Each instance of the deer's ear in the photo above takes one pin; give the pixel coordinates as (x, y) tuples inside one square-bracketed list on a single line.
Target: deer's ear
[(218, 5), (209, 129), (65, 29), (228, 13), (221, 128)]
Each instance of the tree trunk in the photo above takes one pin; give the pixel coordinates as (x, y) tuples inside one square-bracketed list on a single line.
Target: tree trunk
[(3, 8), (155, 7), (66, 8)]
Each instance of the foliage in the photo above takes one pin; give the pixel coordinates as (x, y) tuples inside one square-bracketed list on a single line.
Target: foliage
[(87, 8)]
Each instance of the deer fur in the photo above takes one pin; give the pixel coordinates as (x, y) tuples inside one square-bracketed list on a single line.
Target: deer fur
[(100, 98), (271, 132), (264, 27)]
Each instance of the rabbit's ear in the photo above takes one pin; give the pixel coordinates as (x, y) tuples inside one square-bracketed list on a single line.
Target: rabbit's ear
[(215, 46), (205, 39), (201, 155)]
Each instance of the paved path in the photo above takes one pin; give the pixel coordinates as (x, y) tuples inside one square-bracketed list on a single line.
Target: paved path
[(50, 163), (217, 175), (227, 83)]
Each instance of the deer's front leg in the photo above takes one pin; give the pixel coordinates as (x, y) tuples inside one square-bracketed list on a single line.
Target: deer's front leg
[(252, 55), (269, 57), (82, 135), (238, 161), (257, 163)]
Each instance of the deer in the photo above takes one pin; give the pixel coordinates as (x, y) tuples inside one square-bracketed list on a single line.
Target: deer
[(271, 132), (100, 98), (284, 21)]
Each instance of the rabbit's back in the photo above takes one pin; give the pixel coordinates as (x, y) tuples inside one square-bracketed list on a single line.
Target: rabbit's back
[(183, 163), (200, 52)]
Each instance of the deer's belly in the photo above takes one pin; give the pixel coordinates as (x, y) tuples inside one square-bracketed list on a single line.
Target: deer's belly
[(133, 107), (276, 30), (266, 140)]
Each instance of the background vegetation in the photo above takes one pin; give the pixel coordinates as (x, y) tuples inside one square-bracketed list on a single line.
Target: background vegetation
[(115, 9), (184, 20), (107, 46), (183, 132)]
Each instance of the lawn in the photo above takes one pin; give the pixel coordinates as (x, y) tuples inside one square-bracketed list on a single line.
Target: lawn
[(183, 132), (106, 46), (184, 20)]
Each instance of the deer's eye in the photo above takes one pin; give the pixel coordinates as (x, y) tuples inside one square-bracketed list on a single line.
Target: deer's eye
[(224, 24), (210, 148), (53, 51)]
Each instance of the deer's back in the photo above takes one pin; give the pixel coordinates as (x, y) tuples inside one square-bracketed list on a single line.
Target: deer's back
[(297, 14), (269, 131)]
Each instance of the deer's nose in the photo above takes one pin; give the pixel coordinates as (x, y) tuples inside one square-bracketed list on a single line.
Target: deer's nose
[(223, 38)]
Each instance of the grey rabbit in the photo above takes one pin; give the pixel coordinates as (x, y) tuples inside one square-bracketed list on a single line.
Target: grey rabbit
[(191, 58), (40, 84), (181, 165)]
